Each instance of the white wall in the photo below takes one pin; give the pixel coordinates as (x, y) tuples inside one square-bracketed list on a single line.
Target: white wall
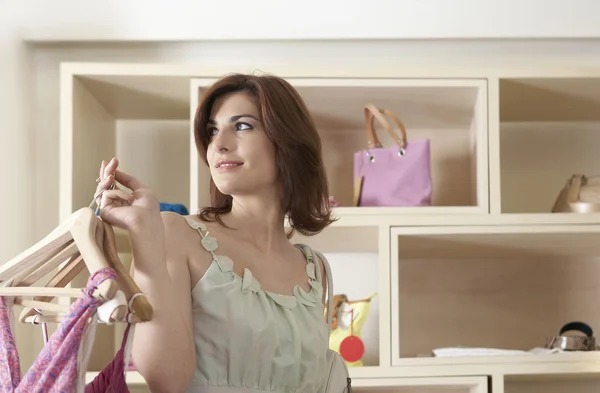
[(15, 150), (118, 21), (29, 74), (45, 59), (311, 19), (16, 165)]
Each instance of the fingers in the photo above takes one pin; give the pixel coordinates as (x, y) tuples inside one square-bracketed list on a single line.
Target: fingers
[(128, 181), (104, 186), (115, 198), (106, 177), (106, 183), (106, 180), (102, 166), (108, 194), (109, 168)]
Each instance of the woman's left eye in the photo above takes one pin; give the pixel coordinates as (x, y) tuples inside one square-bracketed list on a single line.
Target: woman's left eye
[(242, 126)]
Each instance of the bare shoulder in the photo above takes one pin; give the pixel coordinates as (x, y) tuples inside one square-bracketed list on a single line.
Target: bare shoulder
[(174, 223), (178, 233), (185, 237)]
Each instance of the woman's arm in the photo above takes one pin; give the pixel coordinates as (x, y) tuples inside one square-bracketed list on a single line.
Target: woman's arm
[(163, 348)]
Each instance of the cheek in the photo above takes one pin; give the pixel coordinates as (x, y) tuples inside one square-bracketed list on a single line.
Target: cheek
[(210, 152), (263, 161), (270, 161)]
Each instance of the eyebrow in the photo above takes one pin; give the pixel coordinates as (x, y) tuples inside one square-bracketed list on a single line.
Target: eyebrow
[(235, 118)]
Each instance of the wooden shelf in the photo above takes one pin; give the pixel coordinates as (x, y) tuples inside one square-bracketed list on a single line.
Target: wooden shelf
[(549, 128), (550, 99), (498, 287), (471, 384), (451, 113), (532, 367), (349, 217), (468, 242), (375, 214), (142, 119), (140, 96), (482, 266), (422, 385), (458, 372), (580, 383)]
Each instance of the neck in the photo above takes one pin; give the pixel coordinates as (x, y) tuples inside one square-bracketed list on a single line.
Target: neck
[(258, 221)]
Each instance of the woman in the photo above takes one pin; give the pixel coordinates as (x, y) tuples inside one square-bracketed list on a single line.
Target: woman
[(238, 307)]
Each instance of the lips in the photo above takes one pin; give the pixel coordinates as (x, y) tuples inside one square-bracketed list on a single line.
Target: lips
[(224, 164)]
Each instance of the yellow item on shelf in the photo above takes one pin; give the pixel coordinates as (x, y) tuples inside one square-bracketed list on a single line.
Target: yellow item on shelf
[(342, 327)]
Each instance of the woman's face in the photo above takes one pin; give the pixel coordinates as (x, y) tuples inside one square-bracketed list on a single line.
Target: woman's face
[(240, 154)]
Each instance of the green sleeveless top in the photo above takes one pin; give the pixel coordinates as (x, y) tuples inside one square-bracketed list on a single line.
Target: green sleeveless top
[(249, 339)]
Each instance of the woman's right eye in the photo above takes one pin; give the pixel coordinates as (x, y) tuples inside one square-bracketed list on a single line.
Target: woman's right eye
[(212, 131)]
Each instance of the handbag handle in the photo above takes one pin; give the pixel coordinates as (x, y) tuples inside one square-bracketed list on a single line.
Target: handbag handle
[(372, 113), (570, 197), (574, 189), (577, 182)]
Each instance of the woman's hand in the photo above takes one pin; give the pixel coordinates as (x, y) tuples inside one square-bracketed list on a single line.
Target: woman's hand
[(118, 207), (163, 348)]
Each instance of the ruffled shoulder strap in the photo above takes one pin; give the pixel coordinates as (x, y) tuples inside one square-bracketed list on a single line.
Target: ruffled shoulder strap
[(314, 256)]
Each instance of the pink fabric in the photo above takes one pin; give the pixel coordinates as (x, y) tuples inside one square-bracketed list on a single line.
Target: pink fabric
[(112, 378), (55, 370), (391, 179)]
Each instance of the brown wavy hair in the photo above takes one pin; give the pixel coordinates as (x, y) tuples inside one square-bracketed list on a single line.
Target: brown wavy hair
[(289, 126)]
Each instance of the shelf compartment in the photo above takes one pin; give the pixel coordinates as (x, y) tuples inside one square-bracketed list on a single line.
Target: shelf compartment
[(549, 130), (355, 261), (142, 120), (142, 97), (157, 153), (553, 384), (451, 113), (472, 384), (357, 276), (499, 287)]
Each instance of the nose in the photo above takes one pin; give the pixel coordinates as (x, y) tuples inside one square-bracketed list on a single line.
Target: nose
[(223, 141), (221, 148)]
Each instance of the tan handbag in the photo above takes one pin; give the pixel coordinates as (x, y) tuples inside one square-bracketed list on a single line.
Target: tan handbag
[(580, 195)]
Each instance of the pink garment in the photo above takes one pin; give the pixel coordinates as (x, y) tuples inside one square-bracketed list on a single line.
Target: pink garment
[(55, 370), (112, 378)]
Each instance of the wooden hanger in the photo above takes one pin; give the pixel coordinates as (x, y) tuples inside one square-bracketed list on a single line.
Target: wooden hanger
[(140, 306), (83, 240), (80, 229)]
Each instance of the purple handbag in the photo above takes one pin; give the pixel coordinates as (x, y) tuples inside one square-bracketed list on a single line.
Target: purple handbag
[(392, 176)]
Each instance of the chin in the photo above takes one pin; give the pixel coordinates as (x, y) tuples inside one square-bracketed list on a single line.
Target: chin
[(227, 188), (241, 185)]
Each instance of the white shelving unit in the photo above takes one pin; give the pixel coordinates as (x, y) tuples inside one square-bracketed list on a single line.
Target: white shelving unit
[(486, 265)]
